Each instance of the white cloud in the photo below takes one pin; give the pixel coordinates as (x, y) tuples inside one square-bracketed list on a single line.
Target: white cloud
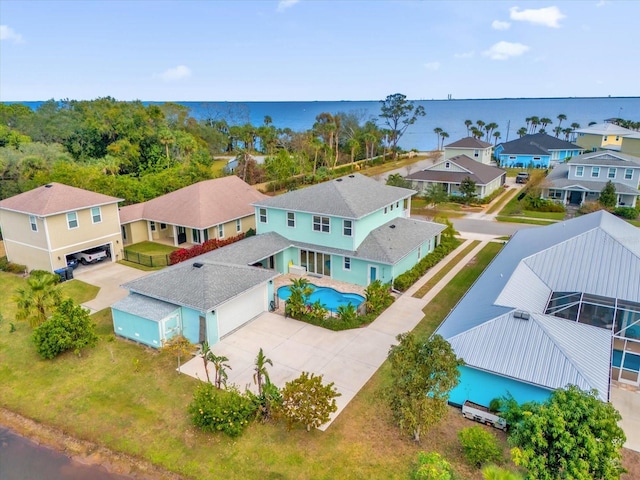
[(498, 25), (548, 16), (464, 54), (176, 73), (432, 66), (7, 33), (601, 3), (284, 4), (504, 50)]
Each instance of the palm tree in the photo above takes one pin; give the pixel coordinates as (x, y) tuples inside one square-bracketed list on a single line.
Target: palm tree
[(36, 300), (468, 123), (535, 121), (220, 367), (561, 117), (544, 121), (496, 137), (522, 132), (443, 135), (557, 130), (260, 370), (437, 131)]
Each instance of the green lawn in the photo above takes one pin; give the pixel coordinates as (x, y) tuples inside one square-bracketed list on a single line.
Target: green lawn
[(151, 248), (217, 167), (544, 215), (528, 221), (130, 399), (79, 291)]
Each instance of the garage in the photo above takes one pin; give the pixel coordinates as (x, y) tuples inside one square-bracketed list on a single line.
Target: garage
[(238, 311), (90, 256)]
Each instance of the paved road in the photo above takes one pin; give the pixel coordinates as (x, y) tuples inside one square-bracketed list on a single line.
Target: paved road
[(487, 227)]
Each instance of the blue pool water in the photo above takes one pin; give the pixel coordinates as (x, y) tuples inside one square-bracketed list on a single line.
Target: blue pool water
[(331, 299)]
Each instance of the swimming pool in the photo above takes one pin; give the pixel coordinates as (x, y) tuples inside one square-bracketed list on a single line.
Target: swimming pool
[(331, 299)]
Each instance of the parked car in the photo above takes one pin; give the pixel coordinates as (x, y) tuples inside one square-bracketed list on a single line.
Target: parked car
[(72, 261), (92, 255), (522, 177)]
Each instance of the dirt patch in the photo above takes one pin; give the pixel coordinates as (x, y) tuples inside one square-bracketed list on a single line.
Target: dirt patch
[(630, 461), (3, 253), (84, 452)]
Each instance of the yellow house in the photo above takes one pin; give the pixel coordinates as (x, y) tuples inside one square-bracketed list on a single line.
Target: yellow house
[(220, 208), (608, 136), (44, 225)]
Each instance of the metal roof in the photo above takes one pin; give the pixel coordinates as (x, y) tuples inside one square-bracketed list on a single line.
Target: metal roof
[(605, 129), (145, 307), (352, 196), (542, 350)]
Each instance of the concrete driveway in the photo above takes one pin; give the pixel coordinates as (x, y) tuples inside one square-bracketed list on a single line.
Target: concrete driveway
[(109, 277)]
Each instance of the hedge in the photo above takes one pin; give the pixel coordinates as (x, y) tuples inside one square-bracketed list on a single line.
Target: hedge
[(183, 254), (408, 278)]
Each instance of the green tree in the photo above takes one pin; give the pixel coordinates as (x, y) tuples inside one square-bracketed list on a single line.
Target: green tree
[(307, 401), (431, 466), (608, 197), (422, 375), (220, 366), (260, 374), (398, 114), (397, 180), (468, 189), (479, 446), (69, 328), (573, 434), (435, 194), (493, 472), (522, 131), (38, 298), (300, 291), (178, 346)]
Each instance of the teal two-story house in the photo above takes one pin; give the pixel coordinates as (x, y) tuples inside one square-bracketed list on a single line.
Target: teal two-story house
[(352, 229)]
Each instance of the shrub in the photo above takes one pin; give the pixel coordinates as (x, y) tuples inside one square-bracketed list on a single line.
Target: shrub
[(183, 254), (226, 411), (538, 204), (307, 401), (480, 447), (69, 328), (10, 267), (347, 313), (377, 297), (589, 207), (629, 213), (431, 466)]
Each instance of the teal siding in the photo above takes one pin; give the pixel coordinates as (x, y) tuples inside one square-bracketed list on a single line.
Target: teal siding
[(481, 387), (372, 221), (524, 161), (136, 328), (283, 259), (191, 324), (213, 336), (412, 259)]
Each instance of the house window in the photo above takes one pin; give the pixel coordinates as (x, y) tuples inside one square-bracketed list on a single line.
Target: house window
[(34, 223), (152, 225), (447, 165), (238, 225), (628, 174), (512, 158), (163, 226), (386, 209), (397, 204), (536, 159), (347, 263), (291, 219), (221, 230), (405, 204), (476, 153), (579, 171), (392, 207), (347, 228), (96, 215), (205, 234), (612, 173), (605, 138), (617, 138), (72, 220), (419, 252), (595, 172), (263, 215), (195, 235), (321, 224), (555, 194)]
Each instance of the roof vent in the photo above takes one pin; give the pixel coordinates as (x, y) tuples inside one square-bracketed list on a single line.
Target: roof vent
[(521, 315), (48, 185), (392, 226), (338, 180), (198, 265)]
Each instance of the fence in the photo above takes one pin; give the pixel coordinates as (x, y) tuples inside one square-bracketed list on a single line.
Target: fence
[(147, 260)]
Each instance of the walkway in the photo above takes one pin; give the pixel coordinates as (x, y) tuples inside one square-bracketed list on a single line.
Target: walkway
[(348, 358)]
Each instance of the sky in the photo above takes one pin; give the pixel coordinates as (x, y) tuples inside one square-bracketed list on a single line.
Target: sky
[(301, 50)]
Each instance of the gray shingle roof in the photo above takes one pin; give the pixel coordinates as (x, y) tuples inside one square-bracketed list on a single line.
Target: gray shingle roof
[(536, 144), (250, 250), (203, 288), (605, 129), (145, 307), (606, 158), (468, 142), (353, 196), (478, 172)]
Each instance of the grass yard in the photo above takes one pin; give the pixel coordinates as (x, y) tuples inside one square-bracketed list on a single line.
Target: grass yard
[(78, 290), (151, 248), (217, 167), (429, 284), (528, 221)]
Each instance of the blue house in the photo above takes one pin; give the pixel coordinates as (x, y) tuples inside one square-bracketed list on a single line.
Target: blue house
[(353, 229), (559, 305), (538, 150)]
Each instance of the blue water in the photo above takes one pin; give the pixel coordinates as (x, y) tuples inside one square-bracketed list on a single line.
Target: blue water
[(508, 113), (331, 299)]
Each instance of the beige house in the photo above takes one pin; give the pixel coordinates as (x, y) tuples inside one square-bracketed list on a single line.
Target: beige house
[(471, 147), (44, 225), (219, 208)]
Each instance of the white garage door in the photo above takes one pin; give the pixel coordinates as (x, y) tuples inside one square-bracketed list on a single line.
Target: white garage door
[(240, 310)]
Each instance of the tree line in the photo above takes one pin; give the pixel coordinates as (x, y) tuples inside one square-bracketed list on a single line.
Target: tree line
[(137, 152)]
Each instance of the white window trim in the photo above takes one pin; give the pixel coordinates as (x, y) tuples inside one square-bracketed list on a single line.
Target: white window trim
[(221, 230), (195, 232), (163, 226), (292, 219), (34, 223), (579, 171), (93, 216), (610, 171), (238, 225), (345, 261), (260, 215), (344, 227), (320, 224), (595, 172), (152, 226), (628, 174), (77, 220)]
